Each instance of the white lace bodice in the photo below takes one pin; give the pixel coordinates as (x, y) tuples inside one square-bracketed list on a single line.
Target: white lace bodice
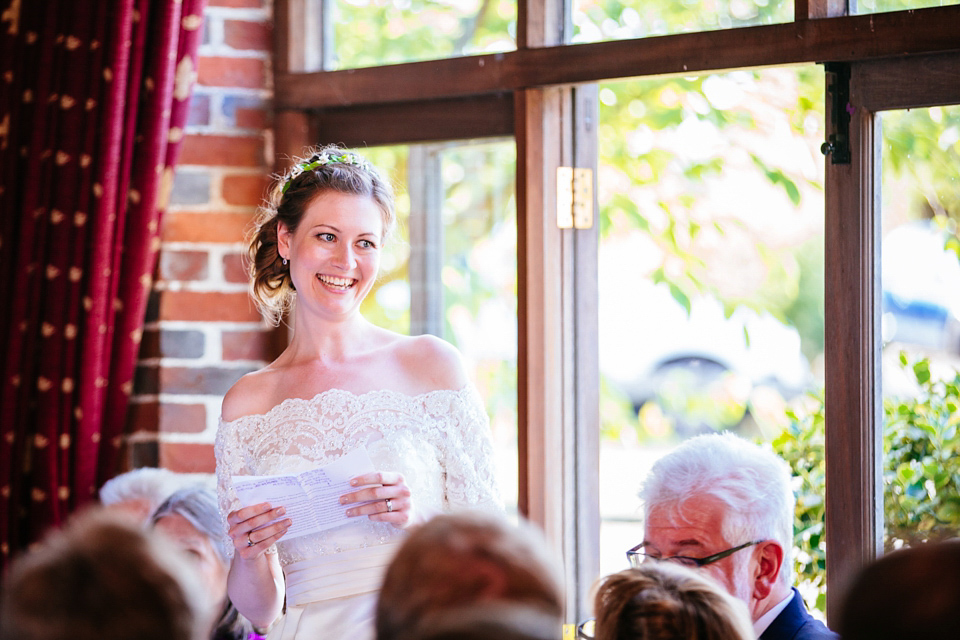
[(439, 441)]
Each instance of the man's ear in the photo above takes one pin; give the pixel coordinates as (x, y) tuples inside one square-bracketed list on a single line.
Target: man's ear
[(769, 562)]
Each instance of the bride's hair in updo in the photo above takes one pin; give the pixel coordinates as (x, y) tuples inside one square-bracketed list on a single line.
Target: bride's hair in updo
[(329, 168)]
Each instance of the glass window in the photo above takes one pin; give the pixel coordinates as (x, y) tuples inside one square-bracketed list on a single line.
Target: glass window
[(599, 20), (376, 32), (711, 268), (920, 274), (881, 6), (472, 215)]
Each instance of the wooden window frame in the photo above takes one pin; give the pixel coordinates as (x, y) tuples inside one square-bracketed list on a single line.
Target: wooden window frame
[(543, 95), (853, 392)]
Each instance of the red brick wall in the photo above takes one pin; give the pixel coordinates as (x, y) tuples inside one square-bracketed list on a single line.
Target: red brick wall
[(202, 331)]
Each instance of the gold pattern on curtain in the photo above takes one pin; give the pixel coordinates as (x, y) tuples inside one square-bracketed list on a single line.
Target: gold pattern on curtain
[(94, 95)]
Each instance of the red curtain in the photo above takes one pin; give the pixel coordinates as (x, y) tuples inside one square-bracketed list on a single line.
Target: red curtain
[(93, 98)]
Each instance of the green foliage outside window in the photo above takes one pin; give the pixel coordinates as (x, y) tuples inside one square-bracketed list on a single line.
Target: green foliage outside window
[(376, 32), (921, 471), (598, 20)]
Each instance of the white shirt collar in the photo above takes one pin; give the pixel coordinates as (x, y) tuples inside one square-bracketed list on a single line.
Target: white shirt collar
[(760, 624)]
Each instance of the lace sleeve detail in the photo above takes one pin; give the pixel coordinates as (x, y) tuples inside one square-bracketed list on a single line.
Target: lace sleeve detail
[(470, 479), (228, 453)]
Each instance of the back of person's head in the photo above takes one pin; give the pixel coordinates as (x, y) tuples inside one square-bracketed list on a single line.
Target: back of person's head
[(191, 520), (467, 558), (498, 621), (140, 491), (102, 578), (663, 601), (906, 594), (752, 482)]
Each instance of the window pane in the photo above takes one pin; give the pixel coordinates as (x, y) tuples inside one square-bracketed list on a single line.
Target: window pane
[(480, 284), (880, 6), (920, 270), (473, 213), (711, 268), (376, 32), (600, 20)]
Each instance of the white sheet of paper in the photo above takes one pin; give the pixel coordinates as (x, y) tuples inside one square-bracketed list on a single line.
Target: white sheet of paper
[(311, 498)]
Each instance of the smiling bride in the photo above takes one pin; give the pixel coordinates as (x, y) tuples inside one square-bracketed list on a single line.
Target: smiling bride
[(341, 384)]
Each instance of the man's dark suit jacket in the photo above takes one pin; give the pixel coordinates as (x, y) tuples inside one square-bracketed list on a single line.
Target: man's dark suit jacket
[(795, 623)]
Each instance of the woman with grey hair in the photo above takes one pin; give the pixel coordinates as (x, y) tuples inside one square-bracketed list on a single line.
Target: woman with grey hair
[(190, 518)]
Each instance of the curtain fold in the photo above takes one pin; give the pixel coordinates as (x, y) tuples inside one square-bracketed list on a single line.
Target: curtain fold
[(94, 95)]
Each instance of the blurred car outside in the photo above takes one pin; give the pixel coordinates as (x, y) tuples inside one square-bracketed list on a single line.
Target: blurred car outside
[(921, 288), (703, 368)]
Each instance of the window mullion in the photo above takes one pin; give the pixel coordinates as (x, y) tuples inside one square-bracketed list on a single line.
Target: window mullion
[(853, 429)]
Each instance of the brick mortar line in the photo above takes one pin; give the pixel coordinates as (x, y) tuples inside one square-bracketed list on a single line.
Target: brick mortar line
[(167, 398), (200, 325), (226, 51), (208, 89), (204, 437), (225, 134), (219, 249), (203, 362), (212, 209), (207, 436), (218, 129), (249, 14), (219, 170), (202, 286)]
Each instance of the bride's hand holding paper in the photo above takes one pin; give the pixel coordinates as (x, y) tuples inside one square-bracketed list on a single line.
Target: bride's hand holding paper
[(311, 499), (254, 528), (385, 497)]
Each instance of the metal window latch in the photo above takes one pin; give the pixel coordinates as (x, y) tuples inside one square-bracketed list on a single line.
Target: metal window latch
[(574, 198), (837, 145)]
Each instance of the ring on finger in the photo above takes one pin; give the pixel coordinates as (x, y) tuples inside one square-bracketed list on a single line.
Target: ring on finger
[(250, 542), (389, 505)]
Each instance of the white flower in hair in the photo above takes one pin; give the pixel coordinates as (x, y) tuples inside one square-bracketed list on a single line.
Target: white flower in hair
[(325, 158)]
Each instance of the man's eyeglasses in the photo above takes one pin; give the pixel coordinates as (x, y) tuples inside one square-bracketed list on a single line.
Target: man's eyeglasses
[(635, 556), (586, 629)]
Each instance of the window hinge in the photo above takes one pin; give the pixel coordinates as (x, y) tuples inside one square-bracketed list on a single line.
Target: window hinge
[(574, 198), (837, 145)]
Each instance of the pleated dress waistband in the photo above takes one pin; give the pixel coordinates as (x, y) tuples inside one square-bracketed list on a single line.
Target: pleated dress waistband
[(337, 575)]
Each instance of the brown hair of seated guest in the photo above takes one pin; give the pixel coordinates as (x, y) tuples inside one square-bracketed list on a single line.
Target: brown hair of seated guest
[(667, 602), (486, 621), (101, 578), (910, 593), (466, 558)]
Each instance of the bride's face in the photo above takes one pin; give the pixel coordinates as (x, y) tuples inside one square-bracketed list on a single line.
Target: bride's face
[(334, 253)]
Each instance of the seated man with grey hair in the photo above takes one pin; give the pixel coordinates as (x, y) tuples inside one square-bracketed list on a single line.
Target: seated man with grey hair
[(723, 505)]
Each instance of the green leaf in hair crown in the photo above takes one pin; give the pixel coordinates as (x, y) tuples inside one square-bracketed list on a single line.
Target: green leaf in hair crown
[(322, 159)]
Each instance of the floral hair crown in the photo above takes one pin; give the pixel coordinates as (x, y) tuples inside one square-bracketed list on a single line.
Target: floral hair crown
[(325, 158)]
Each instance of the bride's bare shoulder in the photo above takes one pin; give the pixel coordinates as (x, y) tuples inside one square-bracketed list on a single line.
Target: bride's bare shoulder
[(434, 362), (252, 394)]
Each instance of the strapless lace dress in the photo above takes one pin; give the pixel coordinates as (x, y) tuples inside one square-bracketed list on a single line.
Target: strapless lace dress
[(440, 442)]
